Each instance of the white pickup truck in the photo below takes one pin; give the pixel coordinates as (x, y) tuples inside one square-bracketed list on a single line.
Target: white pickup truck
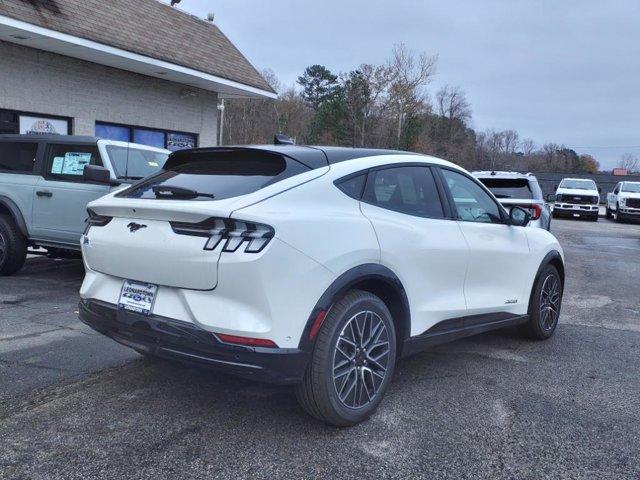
[(624, 201), (577, 197)]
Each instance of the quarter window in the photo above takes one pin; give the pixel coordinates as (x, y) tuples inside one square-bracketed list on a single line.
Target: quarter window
[(410, 190), (66, 162), (472, 202), (17, 157), (353, 186)]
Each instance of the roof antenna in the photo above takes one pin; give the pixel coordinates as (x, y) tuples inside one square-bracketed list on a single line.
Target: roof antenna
[(281, 139)]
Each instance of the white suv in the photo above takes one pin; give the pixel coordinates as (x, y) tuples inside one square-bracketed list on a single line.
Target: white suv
[(313, 266), (515, 189)]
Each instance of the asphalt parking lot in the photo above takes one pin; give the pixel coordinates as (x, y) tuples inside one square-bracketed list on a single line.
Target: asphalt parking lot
[(76, 405)]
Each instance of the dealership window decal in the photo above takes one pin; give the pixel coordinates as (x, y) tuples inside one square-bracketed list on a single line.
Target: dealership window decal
[(27, 123), (152, 137)]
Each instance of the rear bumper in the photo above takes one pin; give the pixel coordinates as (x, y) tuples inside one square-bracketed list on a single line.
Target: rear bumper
[(185, 342)]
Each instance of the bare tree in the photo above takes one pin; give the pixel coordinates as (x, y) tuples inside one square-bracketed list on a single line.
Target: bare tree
[(451, 103), (409, 75), (629, 162), (510, 142), (527, 147)]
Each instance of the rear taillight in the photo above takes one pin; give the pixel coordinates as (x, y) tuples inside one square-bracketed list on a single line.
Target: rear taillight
[(536, 211), (95, 220), (234, 233)]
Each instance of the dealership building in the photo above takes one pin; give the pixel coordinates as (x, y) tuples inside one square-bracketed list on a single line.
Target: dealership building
[(137, 71)]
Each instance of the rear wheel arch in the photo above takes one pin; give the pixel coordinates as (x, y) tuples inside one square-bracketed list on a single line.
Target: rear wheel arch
[(373, 278), (9, 207)]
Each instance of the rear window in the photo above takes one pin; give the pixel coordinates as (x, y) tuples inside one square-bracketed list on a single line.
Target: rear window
[(509, 187), (18, 157), (214, 175)]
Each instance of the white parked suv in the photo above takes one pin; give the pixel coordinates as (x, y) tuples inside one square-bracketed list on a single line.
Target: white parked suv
[(624, 201), (515, 189), (312, 266), (577, 197)]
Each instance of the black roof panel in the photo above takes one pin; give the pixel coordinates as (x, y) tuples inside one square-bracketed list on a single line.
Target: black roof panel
[(341, 154), (311, 156)]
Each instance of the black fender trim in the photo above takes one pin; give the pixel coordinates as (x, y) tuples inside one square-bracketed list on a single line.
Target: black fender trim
[(553, 257), (348, 280), (15, 213)]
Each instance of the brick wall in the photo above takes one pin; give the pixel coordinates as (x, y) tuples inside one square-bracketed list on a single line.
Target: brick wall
[(41, 82)]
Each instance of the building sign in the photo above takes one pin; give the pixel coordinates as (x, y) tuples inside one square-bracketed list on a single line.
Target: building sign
[(43, 126), (180, 141)]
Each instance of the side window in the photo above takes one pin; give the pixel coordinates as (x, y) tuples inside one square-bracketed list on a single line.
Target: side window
[(353, 186), (17, 157), (66, 162), (472, 202), (410, 190)]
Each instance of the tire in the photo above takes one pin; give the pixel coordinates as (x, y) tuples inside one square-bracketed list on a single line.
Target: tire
[(554, 214), (543, 320), (337, 401), (608, 214), (619, 218), (595, 218), (13, 246)]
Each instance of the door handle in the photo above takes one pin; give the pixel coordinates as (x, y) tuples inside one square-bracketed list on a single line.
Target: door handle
[(44, 193)]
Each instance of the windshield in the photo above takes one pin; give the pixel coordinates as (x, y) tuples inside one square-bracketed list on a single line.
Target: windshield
[(509, 187), (578, 184), (135, 163), (631, 187)]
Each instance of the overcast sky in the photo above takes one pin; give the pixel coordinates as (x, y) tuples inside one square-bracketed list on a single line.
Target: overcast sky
[(562, 71)]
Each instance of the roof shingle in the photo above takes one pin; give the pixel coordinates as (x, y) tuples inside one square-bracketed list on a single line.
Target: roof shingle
[(146, 27)]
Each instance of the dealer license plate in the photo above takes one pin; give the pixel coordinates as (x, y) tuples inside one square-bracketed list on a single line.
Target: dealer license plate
[(137, 297)]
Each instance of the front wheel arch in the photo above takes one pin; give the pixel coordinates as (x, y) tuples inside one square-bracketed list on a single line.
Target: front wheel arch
[(552, 258)]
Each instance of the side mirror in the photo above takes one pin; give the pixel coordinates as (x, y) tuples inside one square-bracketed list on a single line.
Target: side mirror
[(551, 197), (96, 174), (519, 217), (555, 187), (599, 189)]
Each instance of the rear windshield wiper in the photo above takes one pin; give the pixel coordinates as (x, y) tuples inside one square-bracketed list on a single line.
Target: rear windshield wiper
[(169, 191)]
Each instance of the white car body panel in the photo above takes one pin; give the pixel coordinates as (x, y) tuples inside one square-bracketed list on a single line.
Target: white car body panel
[(493, 282), (432, 267)]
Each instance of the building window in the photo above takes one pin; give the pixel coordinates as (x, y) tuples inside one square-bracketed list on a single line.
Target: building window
[(33, 123), (147, 136)]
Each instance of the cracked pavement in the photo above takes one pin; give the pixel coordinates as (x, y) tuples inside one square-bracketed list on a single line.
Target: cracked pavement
[(76, 405)]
